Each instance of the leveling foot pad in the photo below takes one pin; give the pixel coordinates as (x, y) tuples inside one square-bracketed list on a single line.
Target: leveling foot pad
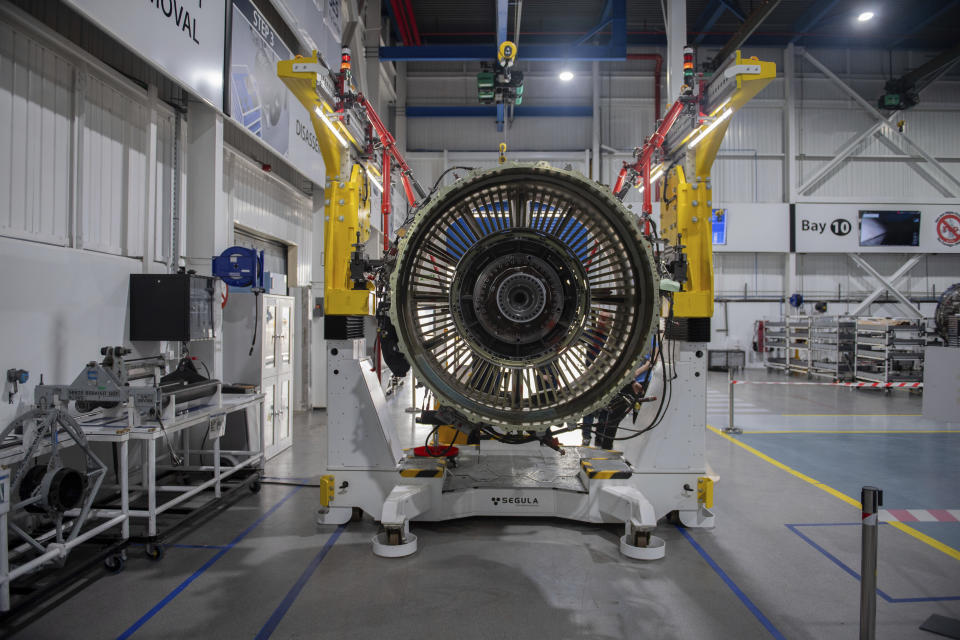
[(653, 551), (385, 550)]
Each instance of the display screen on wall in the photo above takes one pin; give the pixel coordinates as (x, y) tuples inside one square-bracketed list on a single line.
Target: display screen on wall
[(719, 220), (889, 228)]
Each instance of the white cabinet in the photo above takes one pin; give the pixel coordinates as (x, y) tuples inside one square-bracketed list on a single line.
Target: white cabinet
[(258, 350)]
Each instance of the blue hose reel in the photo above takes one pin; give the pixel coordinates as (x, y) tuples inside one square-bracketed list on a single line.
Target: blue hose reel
[(240, 267)]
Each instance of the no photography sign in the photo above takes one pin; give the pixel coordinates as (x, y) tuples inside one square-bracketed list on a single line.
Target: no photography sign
[(948, 228)]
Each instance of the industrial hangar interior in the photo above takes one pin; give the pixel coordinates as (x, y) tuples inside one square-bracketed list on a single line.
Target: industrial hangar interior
[(498, 319)]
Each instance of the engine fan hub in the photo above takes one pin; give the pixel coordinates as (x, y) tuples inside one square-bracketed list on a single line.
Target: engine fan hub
[(516, 297)]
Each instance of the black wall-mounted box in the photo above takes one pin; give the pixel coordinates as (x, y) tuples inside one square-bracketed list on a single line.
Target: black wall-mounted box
[(174, 306)]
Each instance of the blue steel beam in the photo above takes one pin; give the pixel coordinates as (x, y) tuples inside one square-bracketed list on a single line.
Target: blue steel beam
[(811, 17), (450, 52), (502, 20), (481, 111), (616, 49)]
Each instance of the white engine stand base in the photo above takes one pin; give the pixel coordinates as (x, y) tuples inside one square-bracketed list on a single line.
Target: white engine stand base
[(384, 550), (702, 518), (335, 516), (654, 551)]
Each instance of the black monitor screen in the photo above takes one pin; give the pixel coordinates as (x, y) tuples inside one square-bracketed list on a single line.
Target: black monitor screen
[(889, 228)]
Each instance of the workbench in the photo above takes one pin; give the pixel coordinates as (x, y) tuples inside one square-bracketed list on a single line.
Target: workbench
[(146, 493)]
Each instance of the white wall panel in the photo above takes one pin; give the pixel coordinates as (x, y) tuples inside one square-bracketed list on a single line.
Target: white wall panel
[(114, 170), (265, 204), (755, 128), (748, 274), (36, 112), (163, 198), (475, 134), (69, 303)]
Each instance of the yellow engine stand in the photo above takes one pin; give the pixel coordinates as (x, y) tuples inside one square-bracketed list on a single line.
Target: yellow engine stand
[(686, 203), (347, 210), (685, 219), (347, 214)]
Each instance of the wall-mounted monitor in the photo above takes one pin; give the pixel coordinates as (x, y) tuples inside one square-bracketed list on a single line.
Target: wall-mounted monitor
[(889, 228), (719, 221)]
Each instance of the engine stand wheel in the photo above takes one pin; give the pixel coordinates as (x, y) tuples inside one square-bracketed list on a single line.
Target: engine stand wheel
[(255, 485), (641, 538), (116, 562), (153, 551), (654, 549)]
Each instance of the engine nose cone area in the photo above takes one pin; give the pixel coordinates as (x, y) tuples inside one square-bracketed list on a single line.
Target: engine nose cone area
[(521, 297)]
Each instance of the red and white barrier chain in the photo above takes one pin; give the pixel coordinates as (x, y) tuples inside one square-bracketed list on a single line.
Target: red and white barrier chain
[(869, 385)]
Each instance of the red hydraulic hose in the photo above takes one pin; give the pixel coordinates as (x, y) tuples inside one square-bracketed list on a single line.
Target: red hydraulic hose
[(642, 166), (390, 146)]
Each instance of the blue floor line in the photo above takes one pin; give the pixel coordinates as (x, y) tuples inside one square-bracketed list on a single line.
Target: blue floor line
[(184, 546), (274, 621), (748, 603), (197, 546), (196, 574), (854, 574)]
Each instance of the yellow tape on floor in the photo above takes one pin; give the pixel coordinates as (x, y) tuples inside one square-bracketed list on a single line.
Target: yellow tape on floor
[(922, 537), (866, 431)]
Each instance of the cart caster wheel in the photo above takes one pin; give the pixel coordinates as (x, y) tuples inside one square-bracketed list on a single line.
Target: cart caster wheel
[(115, 563), (153, 551), (255, 486)]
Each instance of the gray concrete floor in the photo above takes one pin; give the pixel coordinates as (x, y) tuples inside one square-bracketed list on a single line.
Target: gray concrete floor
[(264, 569)]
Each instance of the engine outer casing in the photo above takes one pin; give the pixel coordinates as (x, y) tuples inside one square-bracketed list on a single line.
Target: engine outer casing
[(629, 230)]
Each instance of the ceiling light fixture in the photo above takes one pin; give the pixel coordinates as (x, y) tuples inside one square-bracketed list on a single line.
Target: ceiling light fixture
[(566, 75), (866, 15)]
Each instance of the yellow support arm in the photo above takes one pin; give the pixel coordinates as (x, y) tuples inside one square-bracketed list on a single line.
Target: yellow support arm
[(687, 201), (347, 210)]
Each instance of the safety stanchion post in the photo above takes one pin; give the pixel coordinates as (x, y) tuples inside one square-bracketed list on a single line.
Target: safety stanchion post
[(730, 428), (871, 498)]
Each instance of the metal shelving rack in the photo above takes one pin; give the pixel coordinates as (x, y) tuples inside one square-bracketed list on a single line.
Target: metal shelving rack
[(832, 347), (786, 344), (798, 344), (890, 349), (775, 344)]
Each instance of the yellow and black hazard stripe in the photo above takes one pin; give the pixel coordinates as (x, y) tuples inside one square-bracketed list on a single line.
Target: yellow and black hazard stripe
[(601, 474)]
